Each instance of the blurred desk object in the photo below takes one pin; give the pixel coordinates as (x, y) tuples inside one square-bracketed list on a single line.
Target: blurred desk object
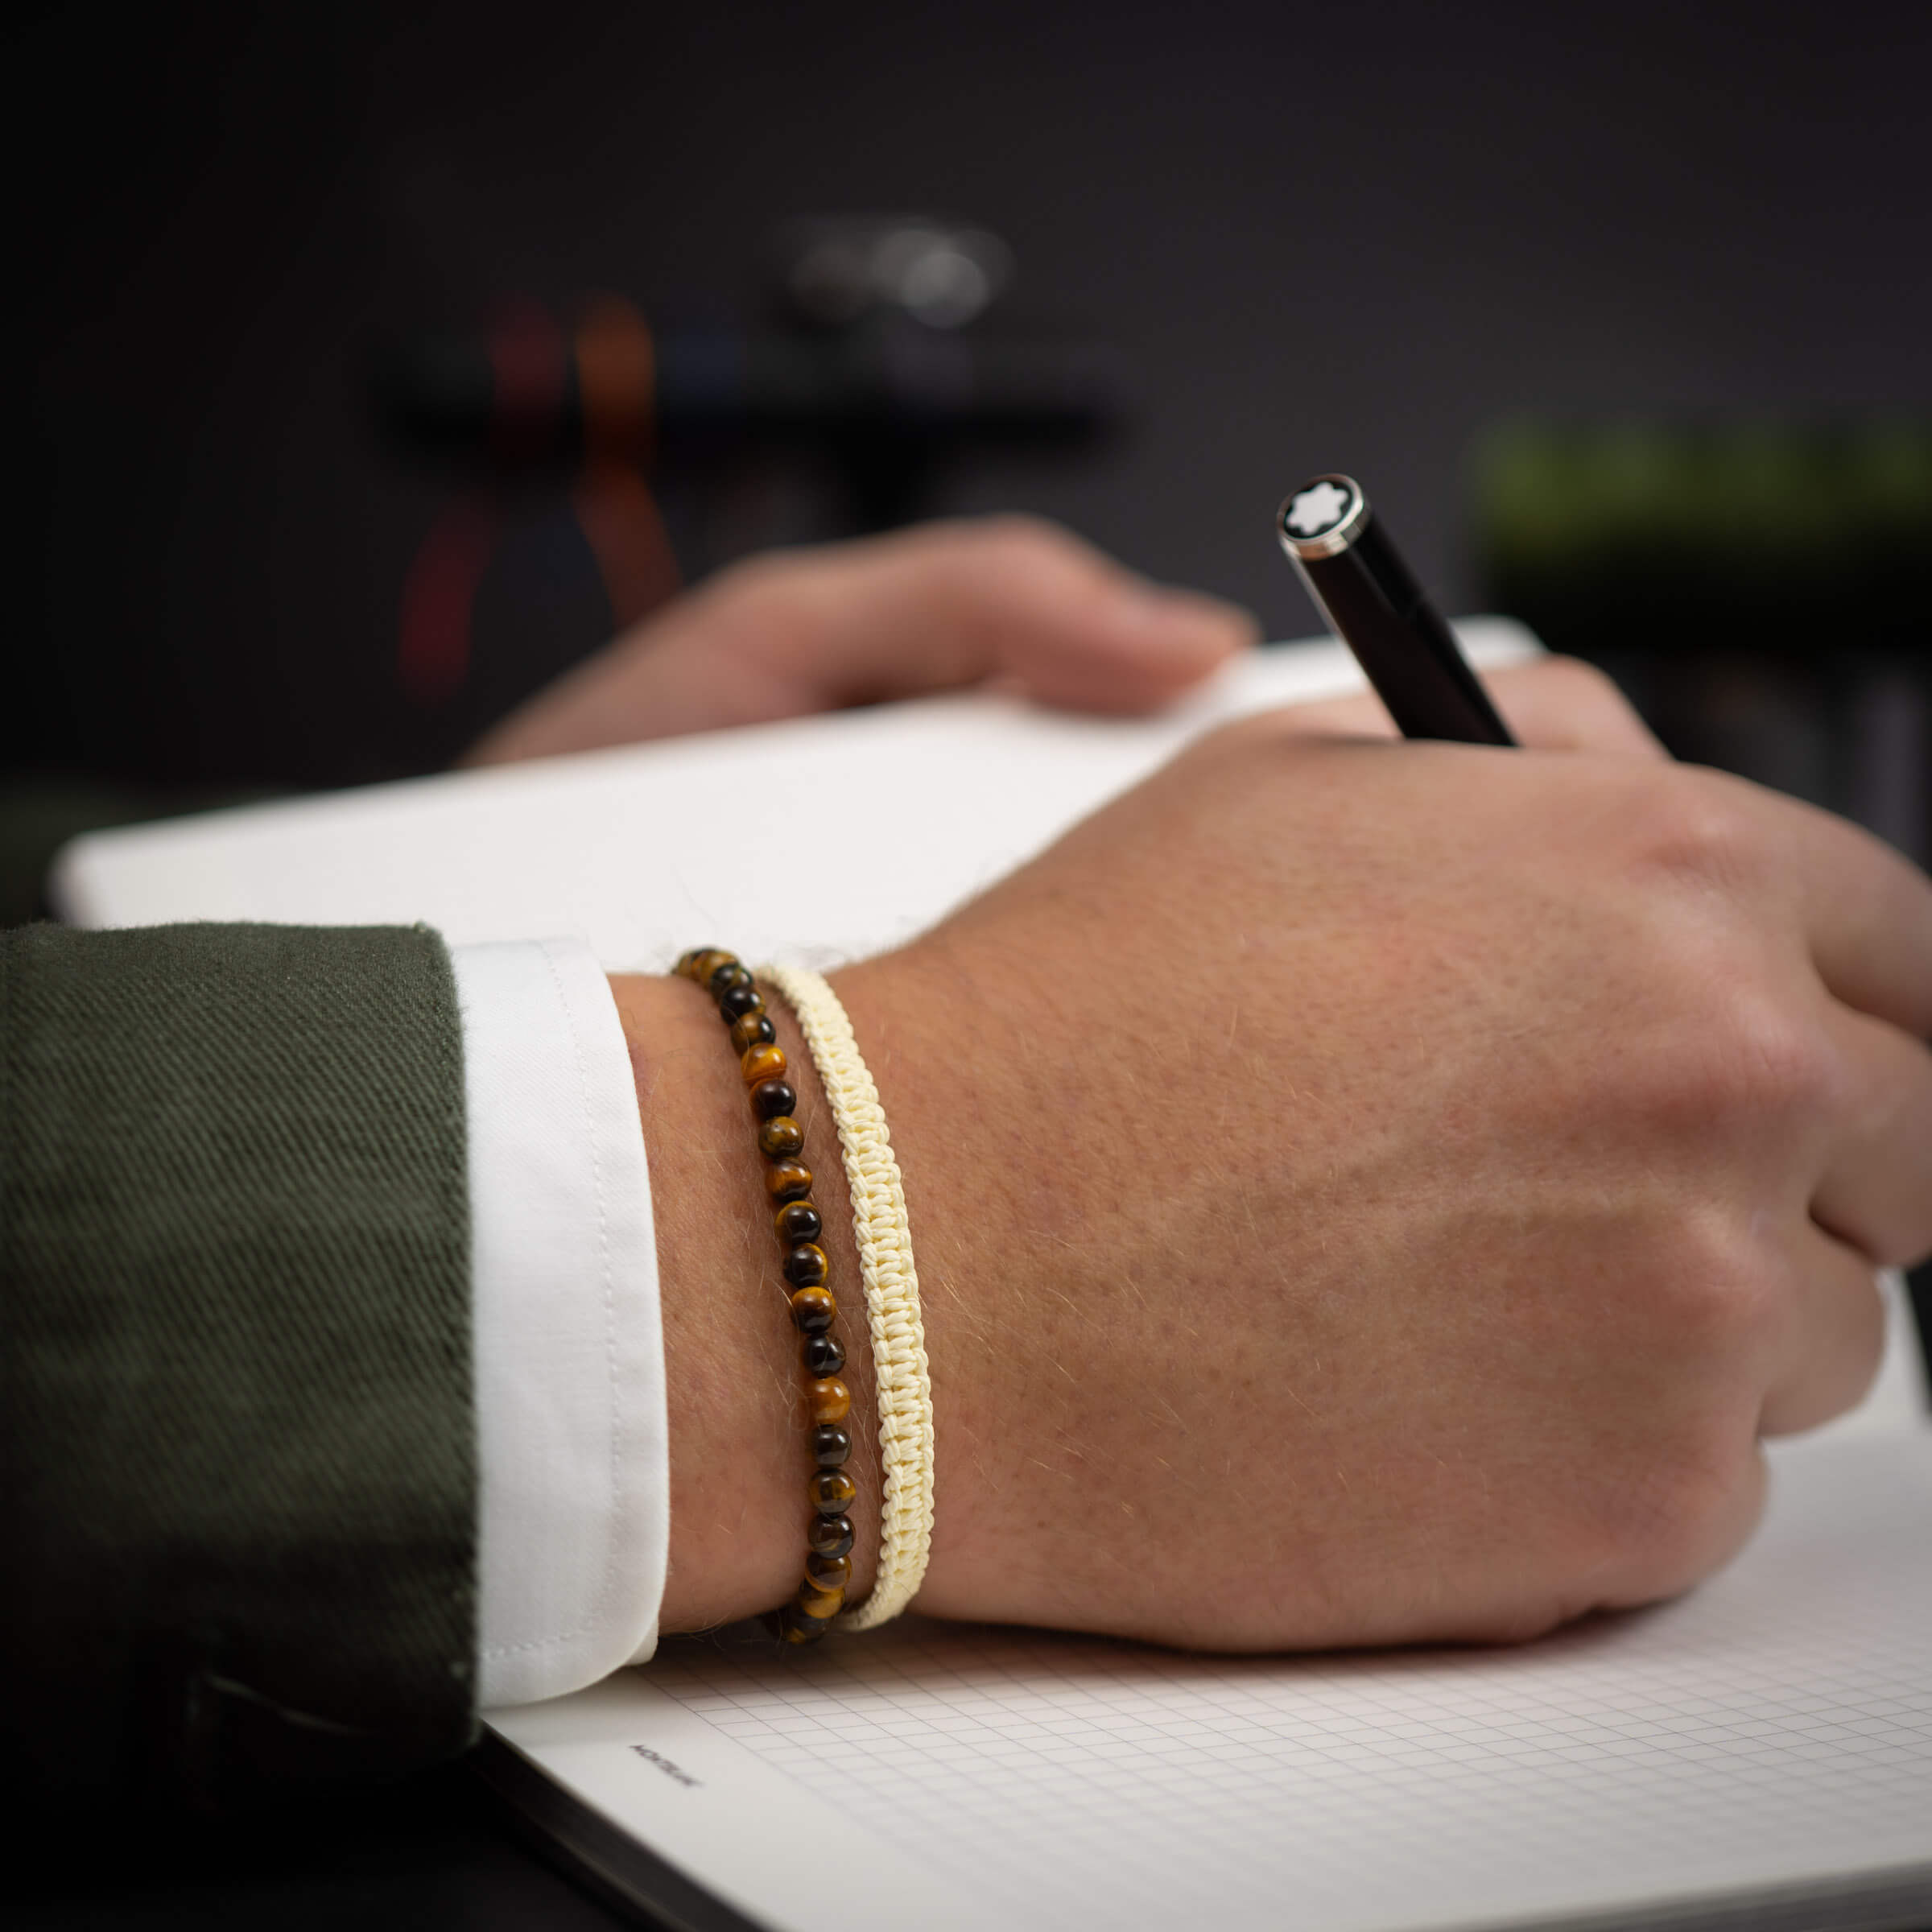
[(874, 352), (674, 443), (1762, 590)]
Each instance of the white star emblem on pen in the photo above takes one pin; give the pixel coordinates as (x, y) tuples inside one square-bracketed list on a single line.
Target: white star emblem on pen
[(1317, 508)]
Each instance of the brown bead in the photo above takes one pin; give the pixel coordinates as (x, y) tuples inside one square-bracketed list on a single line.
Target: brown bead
[(781, 1139), (771, 1098), (701, 962), (823, 1356), (798, 1221), (723, 978), (831, 1492), (828, 1572), (791, 1625), (788, 1181), (735, 1001), (823, 1605), (829, 1399), (812, 1311), (762, 1062), (805, 1266), (829, 1535), (830, 1445), (748, 1029)]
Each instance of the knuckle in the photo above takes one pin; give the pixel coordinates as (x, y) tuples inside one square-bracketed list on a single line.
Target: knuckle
[(1705, 1297), (1664, 1525), (1713, 1296), (1774, 1061), (1760, 1063), (1696, 826), (1679, 1531), (1737, 1062)]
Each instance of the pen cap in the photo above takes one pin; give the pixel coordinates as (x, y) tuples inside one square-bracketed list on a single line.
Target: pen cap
[(1361, 585), (1323, 518)]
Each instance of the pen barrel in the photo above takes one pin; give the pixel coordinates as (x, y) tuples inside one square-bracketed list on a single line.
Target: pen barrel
[(1368, 596)]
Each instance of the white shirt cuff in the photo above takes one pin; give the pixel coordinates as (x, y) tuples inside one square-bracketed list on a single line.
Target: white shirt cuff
[(575, 1507)]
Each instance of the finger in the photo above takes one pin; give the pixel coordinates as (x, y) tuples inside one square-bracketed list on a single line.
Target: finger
[(1557, 704), (1549, 703), (1876, 1193), (792, 633), (1865, 910), (1837, 1339), (1870, 922), (951, 604)]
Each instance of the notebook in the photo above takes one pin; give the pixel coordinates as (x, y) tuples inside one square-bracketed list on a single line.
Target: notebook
[(1759, 1753), (924, 803)]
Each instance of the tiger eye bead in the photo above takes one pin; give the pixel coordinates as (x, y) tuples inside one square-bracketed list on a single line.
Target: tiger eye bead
[(781, 1139), (830, 1445), (823, 1354), (794, 1626), (798, 1221), (734, 1002), (771, 1098), (829, 1535), (823, 1604), (829, 1572), (831, 1492), (750, 1029), (721, 979), (830, 1400), (701, 962), (805, 1266), (762, 1062), (788, 1181), (812, 1310)]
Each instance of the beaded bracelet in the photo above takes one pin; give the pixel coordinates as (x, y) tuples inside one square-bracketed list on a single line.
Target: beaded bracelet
[(803, 1263)]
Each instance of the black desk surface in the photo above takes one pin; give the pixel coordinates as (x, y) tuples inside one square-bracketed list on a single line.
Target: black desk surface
[(438, 1852)]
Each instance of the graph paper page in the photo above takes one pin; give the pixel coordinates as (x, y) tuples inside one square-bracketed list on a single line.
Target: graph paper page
[(1772, 1730)]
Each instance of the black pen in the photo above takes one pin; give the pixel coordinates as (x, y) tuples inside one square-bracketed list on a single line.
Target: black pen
[(1373, 603)]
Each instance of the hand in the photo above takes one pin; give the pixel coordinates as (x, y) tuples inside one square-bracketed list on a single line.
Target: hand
[(929, 609), (1362, 1192)]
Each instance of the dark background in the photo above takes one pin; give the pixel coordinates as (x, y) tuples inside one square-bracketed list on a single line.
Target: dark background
[(1338, 238), (1347, 237)]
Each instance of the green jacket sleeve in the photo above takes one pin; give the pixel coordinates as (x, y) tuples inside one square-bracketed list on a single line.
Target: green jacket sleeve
[(235, 1404)]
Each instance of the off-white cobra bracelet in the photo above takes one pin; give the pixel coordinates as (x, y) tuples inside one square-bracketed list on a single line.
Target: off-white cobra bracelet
[(892, 1295)]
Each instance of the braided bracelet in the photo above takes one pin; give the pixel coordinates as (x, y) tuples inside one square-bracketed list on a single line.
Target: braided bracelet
[(803, 1263), (892, 1295)]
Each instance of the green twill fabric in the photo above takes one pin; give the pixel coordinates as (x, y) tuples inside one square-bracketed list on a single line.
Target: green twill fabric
[(236, 1408)]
